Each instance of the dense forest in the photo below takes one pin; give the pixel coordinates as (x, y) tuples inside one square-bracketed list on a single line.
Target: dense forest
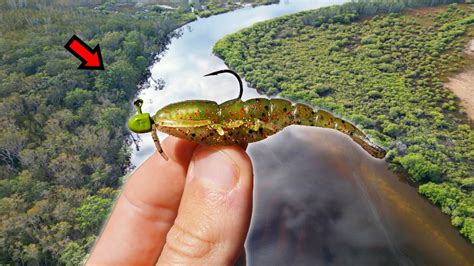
[(384, 72), (64, 147)]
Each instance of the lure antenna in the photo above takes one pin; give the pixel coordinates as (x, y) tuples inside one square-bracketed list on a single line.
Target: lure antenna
[(233, 73)]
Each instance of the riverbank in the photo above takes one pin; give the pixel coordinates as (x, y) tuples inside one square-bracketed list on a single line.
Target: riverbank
[(205, 8), (383, 74)]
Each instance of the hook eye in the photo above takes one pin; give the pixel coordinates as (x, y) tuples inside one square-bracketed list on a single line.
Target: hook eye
[(138, 105)]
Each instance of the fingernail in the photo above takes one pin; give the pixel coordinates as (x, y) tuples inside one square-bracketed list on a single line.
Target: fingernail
[(216, 167)]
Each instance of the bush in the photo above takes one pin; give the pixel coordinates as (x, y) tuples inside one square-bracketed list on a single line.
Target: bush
[(420, 169)]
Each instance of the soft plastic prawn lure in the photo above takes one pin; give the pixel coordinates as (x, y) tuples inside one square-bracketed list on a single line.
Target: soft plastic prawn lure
[(238, 122)]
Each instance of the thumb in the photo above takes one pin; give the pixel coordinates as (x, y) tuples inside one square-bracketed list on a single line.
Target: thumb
[(214, 213)]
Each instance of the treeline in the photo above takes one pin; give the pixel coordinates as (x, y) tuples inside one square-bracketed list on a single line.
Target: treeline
[(349, 12), (206, 8), (385, 73), (41, 4), (68, 4), (63, 142), (367, 8), (354, 10)]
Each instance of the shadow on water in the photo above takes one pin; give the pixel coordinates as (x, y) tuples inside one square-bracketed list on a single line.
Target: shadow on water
[(320, 200)]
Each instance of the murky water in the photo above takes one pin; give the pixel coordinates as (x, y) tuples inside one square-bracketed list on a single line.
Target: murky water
[(319, 198)]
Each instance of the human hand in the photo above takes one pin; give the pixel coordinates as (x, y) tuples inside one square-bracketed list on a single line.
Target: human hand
[(193, 209)]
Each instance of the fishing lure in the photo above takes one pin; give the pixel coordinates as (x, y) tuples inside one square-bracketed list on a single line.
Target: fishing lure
[(237, 122)]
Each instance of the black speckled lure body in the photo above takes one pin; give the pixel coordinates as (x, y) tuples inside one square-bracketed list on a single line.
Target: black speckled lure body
[(238, 122)]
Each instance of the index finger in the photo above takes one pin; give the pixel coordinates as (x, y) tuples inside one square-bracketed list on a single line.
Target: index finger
[(146, 209)]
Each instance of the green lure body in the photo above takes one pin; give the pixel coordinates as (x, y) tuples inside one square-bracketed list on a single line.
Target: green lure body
[(238, 122)]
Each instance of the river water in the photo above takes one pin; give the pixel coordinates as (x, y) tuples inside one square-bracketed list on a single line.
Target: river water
[(319, 198)]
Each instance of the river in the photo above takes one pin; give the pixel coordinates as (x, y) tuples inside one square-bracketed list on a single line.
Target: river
[(319, 198)]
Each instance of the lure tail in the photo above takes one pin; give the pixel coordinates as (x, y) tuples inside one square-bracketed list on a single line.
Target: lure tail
[(300, 114), (327, 120), (372, 148)]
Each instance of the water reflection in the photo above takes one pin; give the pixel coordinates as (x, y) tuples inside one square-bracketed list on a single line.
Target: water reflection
[(320, 200)]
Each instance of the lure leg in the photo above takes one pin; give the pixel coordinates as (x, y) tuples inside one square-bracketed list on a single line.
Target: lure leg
[(157, 142)]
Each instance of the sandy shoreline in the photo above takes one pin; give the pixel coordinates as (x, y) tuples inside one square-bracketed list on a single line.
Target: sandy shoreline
[(462, 84)]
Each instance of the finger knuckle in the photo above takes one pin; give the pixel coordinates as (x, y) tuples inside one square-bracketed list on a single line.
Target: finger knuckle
[(157, 212), (189, 244)]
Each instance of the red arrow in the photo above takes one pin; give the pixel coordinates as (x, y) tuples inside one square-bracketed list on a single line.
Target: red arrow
[(91, 58)]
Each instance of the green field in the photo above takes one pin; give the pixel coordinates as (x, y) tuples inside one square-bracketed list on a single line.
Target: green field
[(385, 73)]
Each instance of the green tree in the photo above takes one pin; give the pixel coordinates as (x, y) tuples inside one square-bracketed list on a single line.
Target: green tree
[(94, 210), (419, 168)]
